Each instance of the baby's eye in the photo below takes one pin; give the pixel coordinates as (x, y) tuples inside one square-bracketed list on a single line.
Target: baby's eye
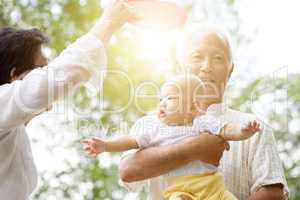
[(171, 98)]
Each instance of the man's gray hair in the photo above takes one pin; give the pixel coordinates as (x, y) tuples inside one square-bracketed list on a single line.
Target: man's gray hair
[(193, 31)]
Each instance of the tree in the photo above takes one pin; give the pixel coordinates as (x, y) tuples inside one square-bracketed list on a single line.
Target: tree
[(276, 101)]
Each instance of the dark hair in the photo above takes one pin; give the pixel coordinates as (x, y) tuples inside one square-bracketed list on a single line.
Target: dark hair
[(18, 49)]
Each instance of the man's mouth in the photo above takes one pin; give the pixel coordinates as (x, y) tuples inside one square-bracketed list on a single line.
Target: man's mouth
[(206, 79)]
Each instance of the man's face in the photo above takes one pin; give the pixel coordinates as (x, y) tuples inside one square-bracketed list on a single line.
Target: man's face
[(208, 57)]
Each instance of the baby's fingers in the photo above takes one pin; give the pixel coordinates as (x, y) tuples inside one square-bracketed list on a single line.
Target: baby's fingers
[(254, 123), (87, 148), (258, 127), (251, 124), (247, 126), (94, 155), (85, 141), (255, 126)]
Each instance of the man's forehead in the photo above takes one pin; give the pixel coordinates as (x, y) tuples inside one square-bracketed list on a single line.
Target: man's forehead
[(208, 38), (208, 41)]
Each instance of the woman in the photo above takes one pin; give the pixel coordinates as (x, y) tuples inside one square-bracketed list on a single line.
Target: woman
[(28, 87)]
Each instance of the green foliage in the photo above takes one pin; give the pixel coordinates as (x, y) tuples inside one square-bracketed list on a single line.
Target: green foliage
[(280, 107), (62, 20)]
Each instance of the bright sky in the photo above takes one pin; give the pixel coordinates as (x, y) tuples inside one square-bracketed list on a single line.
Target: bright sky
[(277, 41)]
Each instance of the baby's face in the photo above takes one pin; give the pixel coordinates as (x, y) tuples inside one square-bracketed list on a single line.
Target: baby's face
[(172, 106)]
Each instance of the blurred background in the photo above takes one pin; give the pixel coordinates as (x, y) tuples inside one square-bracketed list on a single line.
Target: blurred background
[(266, 81)]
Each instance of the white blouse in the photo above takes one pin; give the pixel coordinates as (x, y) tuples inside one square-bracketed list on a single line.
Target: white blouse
[(23, 99)]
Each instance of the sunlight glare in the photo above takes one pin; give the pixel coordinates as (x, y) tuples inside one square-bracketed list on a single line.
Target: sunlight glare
[(156, 47)]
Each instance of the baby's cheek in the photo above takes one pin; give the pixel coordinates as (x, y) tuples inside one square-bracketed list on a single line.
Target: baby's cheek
[(173, 108)]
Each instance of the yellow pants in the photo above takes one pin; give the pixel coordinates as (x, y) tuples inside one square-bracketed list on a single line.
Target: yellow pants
[(206, 186)]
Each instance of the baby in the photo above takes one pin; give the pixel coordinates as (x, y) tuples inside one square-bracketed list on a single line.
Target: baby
[(179, 108)]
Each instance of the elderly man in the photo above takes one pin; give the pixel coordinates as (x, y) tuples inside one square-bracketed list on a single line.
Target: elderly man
[(251, 168)]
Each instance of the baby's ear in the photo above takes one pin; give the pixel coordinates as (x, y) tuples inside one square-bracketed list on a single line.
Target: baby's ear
[(198, 108), (195, 107)]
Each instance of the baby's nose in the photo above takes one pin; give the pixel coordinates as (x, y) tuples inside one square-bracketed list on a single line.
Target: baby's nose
[(162, 104)]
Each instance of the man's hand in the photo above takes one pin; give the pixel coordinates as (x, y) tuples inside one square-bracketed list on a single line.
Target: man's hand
[(269, 192), (93, 146), (207, 148)]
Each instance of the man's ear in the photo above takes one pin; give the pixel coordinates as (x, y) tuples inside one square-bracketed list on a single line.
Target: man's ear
[(13, 75), (230, 71)]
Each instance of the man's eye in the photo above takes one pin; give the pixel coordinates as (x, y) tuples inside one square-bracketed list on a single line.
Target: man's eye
[(198, 58), (218, 58)]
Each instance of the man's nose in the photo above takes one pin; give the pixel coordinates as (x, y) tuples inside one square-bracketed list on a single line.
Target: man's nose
[(206, 65)]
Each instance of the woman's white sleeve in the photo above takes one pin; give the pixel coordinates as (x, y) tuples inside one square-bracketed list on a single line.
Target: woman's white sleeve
[(23, 99)]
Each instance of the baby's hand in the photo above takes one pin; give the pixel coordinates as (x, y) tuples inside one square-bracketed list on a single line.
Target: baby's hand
[(249, 129), (93, 146)]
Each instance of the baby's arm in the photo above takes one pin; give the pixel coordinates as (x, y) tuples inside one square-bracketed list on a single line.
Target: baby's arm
[(239, 131), (95, 146)]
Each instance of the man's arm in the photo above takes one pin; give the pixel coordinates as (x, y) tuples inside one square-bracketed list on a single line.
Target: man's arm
[(267, 178), (155, 161), (269, 192)]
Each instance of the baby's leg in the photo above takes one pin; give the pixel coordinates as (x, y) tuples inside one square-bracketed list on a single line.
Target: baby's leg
[(180, 196)]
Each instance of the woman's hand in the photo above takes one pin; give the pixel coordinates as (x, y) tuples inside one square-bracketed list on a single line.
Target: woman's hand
[(113, 18)]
